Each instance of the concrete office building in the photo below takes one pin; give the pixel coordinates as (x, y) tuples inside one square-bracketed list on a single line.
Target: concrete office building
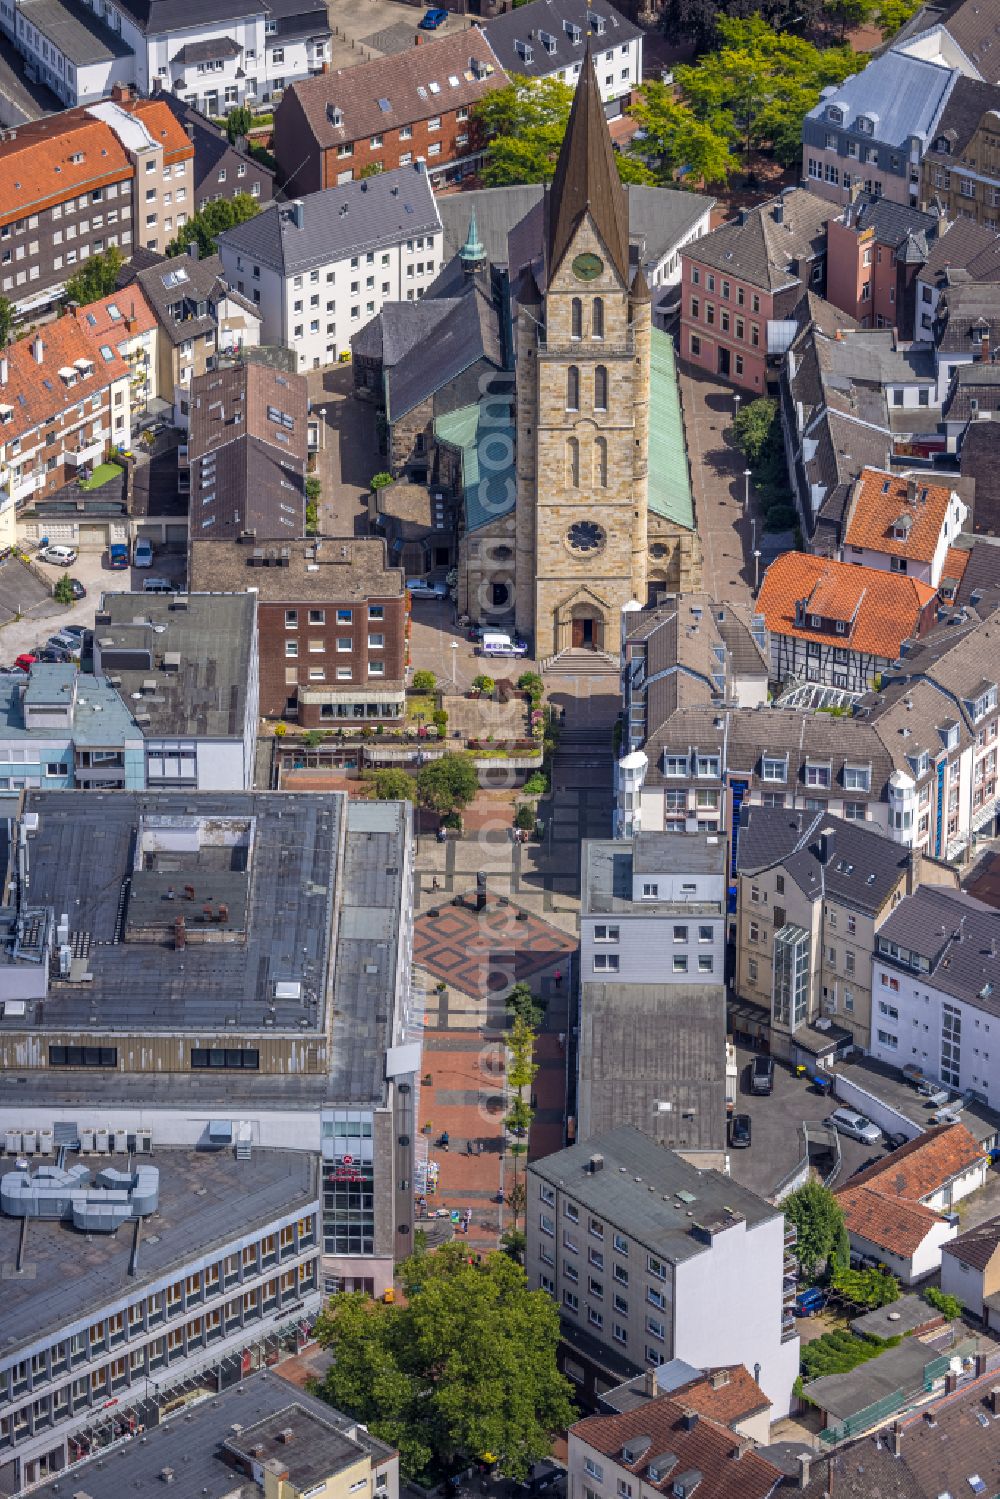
[(137, 1277), (650, 1259), (239, 973)]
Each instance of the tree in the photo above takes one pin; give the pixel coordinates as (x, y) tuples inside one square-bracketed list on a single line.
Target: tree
[(948, 1306), (391, 786), (698, 19), (522, 1004), (894, 14), (753, 427), (525, 124), (96, 278), (677, 142), (849, 14), (865, 1288), (521, 1071), (63, 591), (463, 1370), (6, 321), (756, 90), (484, 684), (447, 785), (238, 122), (204, 227), (819, 1223), (424, 681)]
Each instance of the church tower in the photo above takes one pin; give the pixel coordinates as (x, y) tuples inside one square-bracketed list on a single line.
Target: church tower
[(583, 389)]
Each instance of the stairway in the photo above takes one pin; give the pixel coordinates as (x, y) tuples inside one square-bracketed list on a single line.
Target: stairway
[(582, 663)]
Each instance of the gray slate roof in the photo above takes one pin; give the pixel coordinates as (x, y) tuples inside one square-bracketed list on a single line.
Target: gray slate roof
[(654, 1217), (170, 16), (900, 1368), (763, 251), (339, 222), (75, 30), (980, 462), (966, 310), (469, 332), (926, 923), (641, 1044), (99, 715), (905, 95), (893, 223), (527, 22), (963, 246), (864, 869)]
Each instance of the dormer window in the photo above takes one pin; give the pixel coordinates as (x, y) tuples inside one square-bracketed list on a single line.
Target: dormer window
[(943, 144), (334, 115), (981, 705), (635, 1449), (835, 114), (949, 735), (866, 124), (597, 23), (525, 51), (815, 621), (6, 414), (774, 768), (901, 527), (548, 41), (660, 1467), (841, 627)]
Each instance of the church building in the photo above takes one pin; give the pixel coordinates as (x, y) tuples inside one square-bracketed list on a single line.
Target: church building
[(572, 476)]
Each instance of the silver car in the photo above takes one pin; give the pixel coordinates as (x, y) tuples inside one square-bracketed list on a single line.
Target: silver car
[(854, 1125)]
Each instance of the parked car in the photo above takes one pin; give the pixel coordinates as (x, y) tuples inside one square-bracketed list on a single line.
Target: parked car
[(433, 18), (117, 555), (58, 556), (740, 1131), (423, 588), (143, 553), (894, 1139), (64, 641), (812, 1299), (25, 661), (158, 585), (53, 655), (854, 1125), (77, 588), (497, 643), (79, 631), (762, 1075)]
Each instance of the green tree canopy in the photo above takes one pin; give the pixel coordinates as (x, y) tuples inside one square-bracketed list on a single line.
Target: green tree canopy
[(757, 88), (754, 426), (392, 786), (424, 681), (819, 1222), (448, 784), (865, 1288), (96, 278), (849, 14), (525, 124), (205, 227), (893, 14), (949, 1306), (677, 141), (238, 122), (698, 20), (522, 1004), (465, 1370)]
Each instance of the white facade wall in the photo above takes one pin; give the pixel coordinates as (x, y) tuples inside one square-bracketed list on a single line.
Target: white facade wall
[(924, 1261), (727, 1308), (963, 1281), (928, 571), (291, 1128), (316, 311), (618, 68), (907, 1026)]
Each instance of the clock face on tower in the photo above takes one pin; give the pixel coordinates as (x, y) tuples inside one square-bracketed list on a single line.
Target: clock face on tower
[(587, 266)]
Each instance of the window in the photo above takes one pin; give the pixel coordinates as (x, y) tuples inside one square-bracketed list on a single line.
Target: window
[(605, 962), (572, 388), (656, 1267), (774, 768), (83, 1056), (237, 1058), (600, 388), (597, 318)]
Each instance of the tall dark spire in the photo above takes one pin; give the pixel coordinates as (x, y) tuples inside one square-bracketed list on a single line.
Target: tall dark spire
[(586, 178)]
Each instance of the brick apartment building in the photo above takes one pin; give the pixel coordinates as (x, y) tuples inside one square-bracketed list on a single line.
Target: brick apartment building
[(74, 184), (63, 404), (745, 276), (332, 625), (875, 250), (410, 106)]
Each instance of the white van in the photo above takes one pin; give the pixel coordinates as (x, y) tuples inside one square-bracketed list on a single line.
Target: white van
[(494, 643), (157, 585)]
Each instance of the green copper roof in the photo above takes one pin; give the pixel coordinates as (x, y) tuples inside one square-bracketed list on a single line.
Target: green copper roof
[(484, 435), (473, 250), (669, 478)]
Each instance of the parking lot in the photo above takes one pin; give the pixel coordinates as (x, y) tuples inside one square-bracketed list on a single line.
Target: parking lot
[(776, 1122), (45, 616)]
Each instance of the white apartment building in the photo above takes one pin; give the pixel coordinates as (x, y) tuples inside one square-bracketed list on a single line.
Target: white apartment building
[(936, 991), (650, 1259), (321, 267), (214, 54), (546, 39)]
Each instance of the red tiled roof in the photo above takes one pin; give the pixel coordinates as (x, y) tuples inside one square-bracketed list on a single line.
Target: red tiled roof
[(35, 392), (893, 1224), (923, 1166), (37, 167), (881, 609), (884, 1204), (134, 315), (729, 1470), (881, 499), (163, 125), (727, 1394), (956, 560)]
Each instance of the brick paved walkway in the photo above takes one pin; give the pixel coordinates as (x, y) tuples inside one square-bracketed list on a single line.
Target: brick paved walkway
[(719, 487), (485, 952)]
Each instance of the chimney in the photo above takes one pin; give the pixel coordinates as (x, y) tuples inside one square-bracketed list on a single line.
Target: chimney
[(896, 1438), (827, 845), (980, 1365), (689, 1420), (121, 93), (984, 347), (649, 1383), (950, 1384), (286, 1436), (995, 1400), (743, 1446), (3, 369), (193, 249), (805, 1467), (299, 213), (38, 349), (595, 1164), (778, 212)]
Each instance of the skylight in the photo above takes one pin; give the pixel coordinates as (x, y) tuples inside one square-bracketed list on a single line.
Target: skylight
[(91, 320), (384, 106), (435, 88), (107, 353), (175, 278), (113, 312)]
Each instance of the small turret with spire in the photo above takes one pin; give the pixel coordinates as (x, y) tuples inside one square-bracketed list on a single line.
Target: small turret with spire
[(473, 253)]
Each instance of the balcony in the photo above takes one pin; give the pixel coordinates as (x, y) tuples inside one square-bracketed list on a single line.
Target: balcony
[(91, 452), (791, 1236)]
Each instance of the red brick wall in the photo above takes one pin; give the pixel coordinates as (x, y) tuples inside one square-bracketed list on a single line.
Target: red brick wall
[(701, 340), (275, 690), (393, 147)]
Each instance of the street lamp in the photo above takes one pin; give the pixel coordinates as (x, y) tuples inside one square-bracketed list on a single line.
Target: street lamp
[(753, 532), (454, 662), (756, 570), (736, 407), (746, 490), (322, 412)]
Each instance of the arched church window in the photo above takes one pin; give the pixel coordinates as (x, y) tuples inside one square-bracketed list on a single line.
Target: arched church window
[(601, 462), (597, 319), (573, 463), (576, 318), (572, 388), (600, 388)]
